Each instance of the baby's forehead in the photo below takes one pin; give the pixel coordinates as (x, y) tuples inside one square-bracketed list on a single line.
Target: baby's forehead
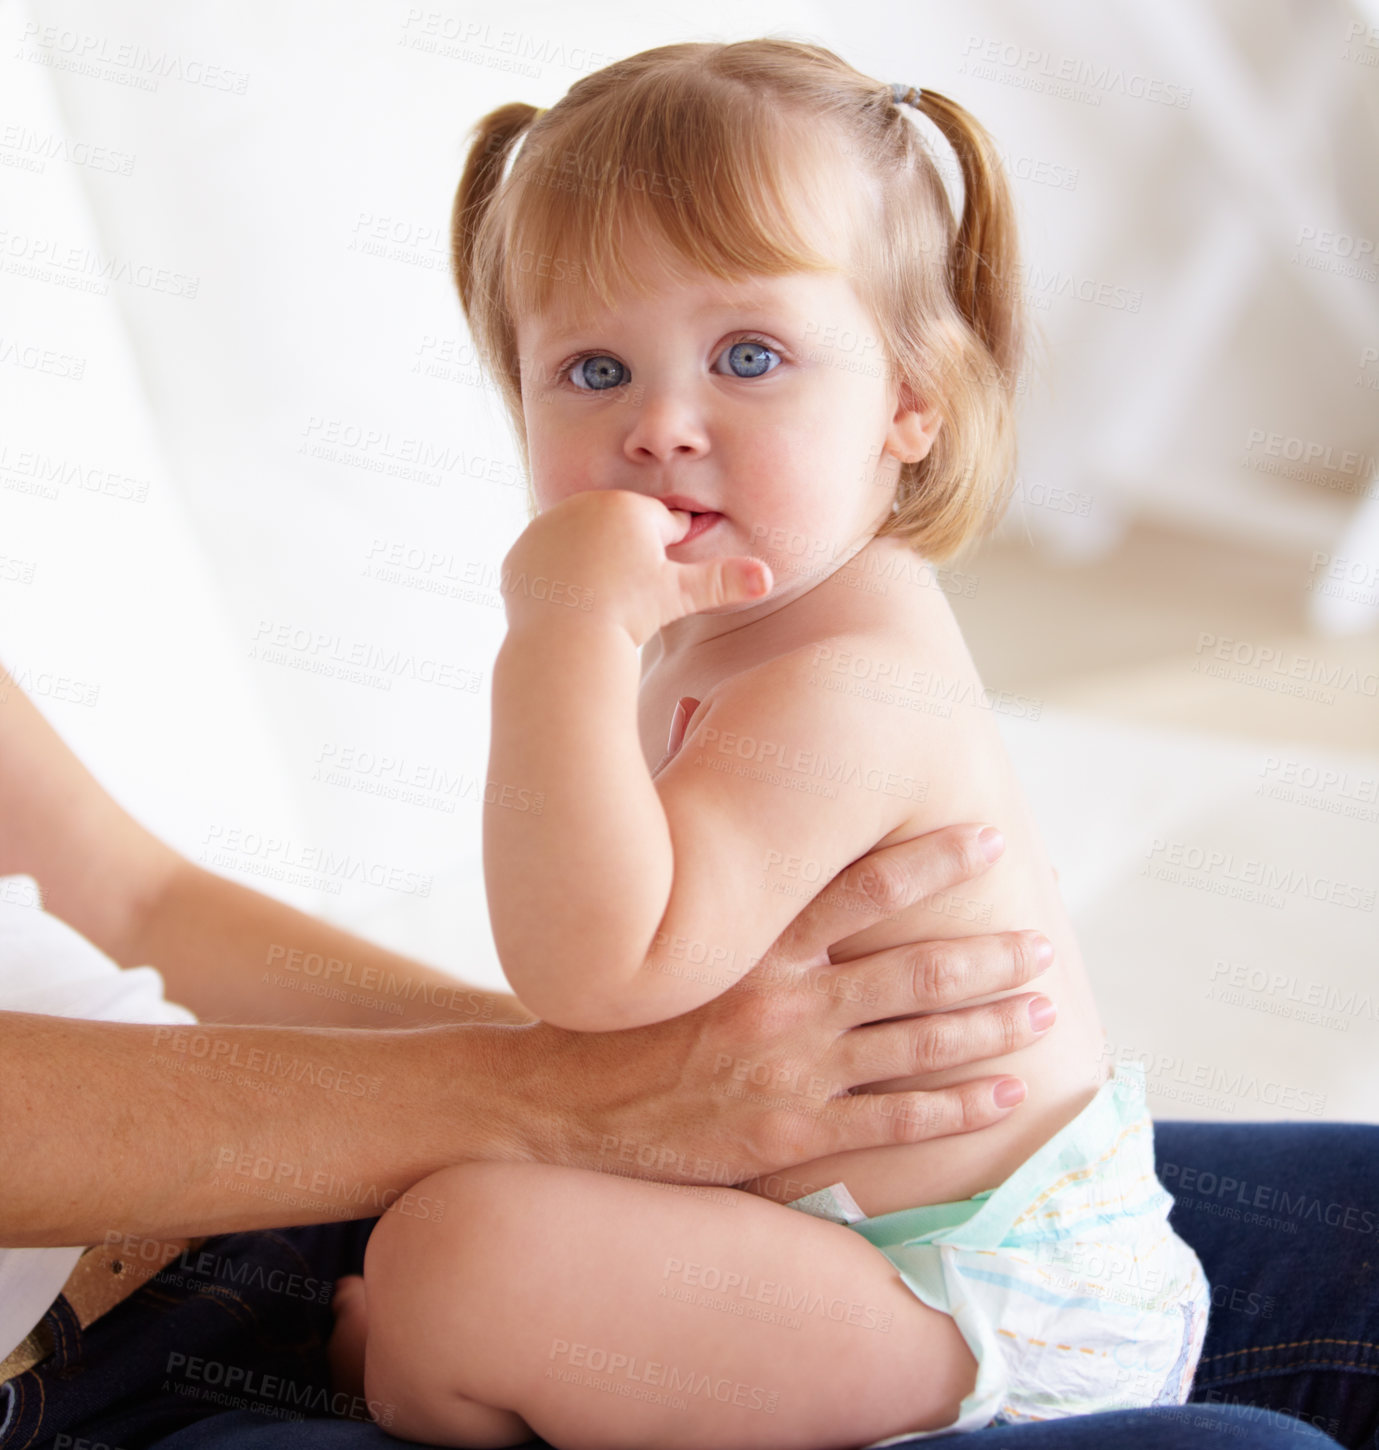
[(754, 217), (695, 296)]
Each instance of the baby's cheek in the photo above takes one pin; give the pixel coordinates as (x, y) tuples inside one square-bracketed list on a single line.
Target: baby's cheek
[(798, 523), (553, 483)]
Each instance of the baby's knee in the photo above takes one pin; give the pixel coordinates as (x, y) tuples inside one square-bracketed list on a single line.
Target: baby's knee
[(428, 1279), (445, 1229)]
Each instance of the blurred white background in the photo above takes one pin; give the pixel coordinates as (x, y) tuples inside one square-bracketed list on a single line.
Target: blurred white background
[(253, 493)]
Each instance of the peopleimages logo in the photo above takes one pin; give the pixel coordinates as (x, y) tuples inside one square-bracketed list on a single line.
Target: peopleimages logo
[(234, 846), (1182, 1180), (1211, 868), (1279, 670)]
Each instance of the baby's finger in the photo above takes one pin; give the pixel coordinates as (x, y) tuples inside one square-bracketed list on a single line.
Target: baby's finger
[(721, 581), (678, 527), (679, 723), (685, 706)]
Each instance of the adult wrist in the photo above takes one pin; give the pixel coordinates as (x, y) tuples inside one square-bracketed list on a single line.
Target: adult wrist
[(496, 1101)]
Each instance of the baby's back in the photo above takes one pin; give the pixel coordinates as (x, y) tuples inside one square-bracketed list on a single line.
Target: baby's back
[(881, 630)]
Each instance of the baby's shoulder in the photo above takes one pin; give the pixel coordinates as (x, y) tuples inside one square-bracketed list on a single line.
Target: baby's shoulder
[(878, 631), (859, 683)]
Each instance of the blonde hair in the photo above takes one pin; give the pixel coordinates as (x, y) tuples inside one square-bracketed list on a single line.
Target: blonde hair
[(704, 149)]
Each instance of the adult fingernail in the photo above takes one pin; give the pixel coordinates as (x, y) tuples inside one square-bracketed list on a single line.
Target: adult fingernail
[(992, 843), (1008, 1092), (1041, 1013)]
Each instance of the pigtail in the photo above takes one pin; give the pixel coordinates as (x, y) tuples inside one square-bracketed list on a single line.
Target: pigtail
[(494, 138), (984, 262)]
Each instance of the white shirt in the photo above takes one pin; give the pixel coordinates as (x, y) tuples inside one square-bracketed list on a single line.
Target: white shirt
[(47, 967)]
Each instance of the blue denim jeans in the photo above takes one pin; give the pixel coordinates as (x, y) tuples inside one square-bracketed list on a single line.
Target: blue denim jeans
[(225, 1349)]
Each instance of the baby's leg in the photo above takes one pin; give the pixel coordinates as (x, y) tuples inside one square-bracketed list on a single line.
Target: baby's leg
[(607, 1312)]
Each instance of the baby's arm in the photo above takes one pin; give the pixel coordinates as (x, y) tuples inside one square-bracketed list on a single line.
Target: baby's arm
[(578, 862), (624, 900)]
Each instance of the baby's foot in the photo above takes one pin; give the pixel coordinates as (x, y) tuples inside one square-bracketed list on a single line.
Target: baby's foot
[(346, 1348)]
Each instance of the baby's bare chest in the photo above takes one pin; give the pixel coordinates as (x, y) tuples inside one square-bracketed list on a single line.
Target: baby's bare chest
[(895, 650)]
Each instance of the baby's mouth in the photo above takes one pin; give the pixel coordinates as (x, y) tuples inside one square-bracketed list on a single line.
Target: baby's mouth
[(700, 523)]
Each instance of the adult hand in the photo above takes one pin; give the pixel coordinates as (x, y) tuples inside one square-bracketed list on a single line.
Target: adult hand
[(666, 1101)]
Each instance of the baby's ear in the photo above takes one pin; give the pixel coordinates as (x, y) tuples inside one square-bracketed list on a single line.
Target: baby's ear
[(913, 428)]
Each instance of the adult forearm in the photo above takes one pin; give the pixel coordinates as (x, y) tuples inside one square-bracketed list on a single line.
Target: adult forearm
[(189, 1130), (98, 867), (183, 1130), (231, 954), (225, 951), (578, 863)]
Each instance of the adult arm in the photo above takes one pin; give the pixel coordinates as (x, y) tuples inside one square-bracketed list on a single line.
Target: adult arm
[(228, 953), (166, 1131)]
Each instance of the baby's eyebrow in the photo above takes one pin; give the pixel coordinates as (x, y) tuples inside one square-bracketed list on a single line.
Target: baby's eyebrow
[(755, 301)]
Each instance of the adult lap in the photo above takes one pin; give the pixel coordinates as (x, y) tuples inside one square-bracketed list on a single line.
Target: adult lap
[(1189, 1428), (1284, 1217)]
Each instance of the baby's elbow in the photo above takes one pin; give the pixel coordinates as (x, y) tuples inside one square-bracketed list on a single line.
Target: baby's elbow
[(588, 1011), (582, 1019)]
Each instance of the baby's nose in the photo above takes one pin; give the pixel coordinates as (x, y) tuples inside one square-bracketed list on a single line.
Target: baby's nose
[(666, 426)]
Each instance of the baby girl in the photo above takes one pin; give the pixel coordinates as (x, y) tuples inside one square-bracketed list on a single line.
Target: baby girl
[(762, 381)]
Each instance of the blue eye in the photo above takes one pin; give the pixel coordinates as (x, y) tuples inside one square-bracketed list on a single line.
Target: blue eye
[(751, 356), (599, 371), (596, 372)]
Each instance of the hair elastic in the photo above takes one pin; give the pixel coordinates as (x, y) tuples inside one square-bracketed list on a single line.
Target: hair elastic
[(901, 92)]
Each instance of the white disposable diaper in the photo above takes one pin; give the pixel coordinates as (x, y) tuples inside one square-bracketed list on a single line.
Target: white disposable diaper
[(1070, 1288)]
